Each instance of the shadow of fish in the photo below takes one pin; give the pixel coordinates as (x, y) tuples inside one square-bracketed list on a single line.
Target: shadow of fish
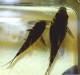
[(34, 34), (58, 30)]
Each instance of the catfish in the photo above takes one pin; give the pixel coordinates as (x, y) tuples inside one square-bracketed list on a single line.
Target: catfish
[(58, 30), (33, 36)]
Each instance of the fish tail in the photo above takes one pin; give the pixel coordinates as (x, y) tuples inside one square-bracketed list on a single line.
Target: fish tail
[(52, 57), (10, 63), (48, 69)]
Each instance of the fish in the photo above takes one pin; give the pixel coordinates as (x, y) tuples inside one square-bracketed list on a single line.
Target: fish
[(58, 30), (33, 36)]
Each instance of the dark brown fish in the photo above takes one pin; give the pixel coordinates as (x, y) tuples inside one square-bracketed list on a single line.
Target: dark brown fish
[(58, 30), (34, 34)]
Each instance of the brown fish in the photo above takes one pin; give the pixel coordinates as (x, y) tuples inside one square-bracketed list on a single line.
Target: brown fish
[(58, 30), (33, 36)]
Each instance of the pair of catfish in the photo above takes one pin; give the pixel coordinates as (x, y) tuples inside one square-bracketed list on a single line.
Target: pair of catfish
[(58, 30)]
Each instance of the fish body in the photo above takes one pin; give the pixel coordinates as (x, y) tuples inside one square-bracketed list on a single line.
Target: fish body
[(58, 31), (33, 36)]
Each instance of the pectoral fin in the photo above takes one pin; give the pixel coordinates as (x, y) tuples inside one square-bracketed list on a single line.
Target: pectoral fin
[(70, 33)]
